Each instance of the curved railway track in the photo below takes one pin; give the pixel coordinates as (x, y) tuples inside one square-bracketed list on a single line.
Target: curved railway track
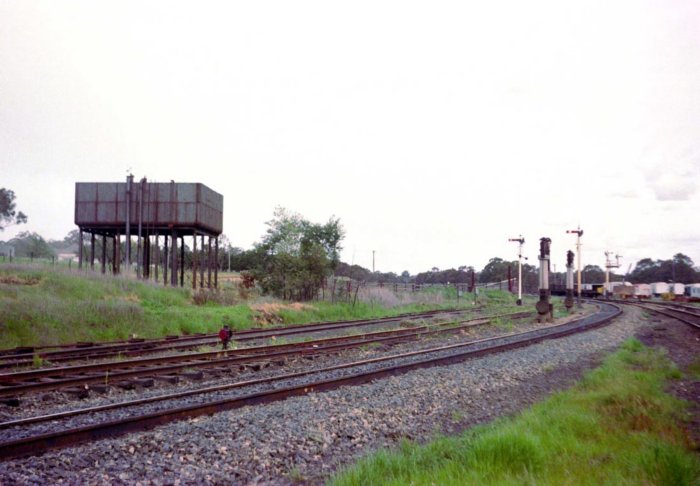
[(687, 314), (358, 372)]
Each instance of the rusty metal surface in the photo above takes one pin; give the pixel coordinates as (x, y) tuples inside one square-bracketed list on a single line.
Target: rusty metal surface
[(189, 206)]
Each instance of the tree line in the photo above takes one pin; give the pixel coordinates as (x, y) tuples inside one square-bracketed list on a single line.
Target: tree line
[(295, 256)]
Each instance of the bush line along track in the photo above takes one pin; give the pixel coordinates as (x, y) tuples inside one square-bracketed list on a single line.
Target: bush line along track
[(24, 356), (42, 442), (12, 384)]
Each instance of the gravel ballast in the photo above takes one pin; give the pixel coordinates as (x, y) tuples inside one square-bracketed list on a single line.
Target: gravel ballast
[(307, 438)]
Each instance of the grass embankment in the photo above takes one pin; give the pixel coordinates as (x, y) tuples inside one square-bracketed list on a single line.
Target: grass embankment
[(617, 426), (40, 306)]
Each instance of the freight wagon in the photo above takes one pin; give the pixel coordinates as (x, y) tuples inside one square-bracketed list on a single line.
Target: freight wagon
[(659, 288), (692, 292)]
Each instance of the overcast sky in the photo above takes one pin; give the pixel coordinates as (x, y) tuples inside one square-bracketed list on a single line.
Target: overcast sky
[(434, 130)]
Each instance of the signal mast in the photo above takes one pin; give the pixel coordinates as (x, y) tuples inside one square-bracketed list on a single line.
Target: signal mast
[(608, 265), (521, 242), (579, 233)]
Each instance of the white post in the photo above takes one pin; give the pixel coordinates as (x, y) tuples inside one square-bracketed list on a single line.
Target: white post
[(578, 263), (520, 272), (579, 233), (520, 241), (607, 272)]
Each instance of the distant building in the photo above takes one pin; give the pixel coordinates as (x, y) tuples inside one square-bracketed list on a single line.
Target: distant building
[(65, 253)]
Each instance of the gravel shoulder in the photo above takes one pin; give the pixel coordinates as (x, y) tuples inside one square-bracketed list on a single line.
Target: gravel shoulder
[(56, 401), (307, 438)]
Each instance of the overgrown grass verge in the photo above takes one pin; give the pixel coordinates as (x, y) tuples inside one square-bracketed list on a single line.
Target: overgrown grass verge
[(56, 306), (41, 305), (617, 426), (496, 301)]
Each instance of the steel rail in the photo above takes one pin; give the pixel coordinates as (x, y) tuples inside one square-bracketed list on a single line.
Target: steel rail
[(54, 378), (93, 367), (672, 313), (133, 347), (41, 443), (170, 396)]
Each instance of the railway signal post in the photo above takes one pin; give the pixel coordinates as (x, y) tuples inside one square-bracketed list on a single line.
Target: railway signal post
[(579, 233), (608, 265), (569, 299), (544, 308), (521, 242)]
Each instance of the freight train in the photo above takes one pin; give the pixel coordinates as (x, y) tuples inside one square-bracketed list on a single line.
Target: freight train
[(588, 291), (627, 290)]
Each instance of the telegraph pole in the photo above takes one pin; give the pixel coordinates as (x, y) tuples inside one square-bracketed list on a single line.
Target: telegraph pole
[(372, 261), (579, 233), (521, 242)]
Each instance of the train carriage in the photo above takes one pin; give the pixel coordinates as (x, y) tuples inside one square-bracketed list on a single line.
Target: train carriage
[(692, 292)]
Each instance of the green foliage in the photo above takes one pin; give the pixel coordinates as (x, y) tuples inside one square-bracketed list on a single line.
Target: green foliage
[(8, 214), (43, 307), (617, 426), (296, 255), (694, 368), (37, 361), (678, 269), (496, 270), (295, 475), (503, 323), (462, 275), (361, 274), (31, 245), (592, 274), (54, 305)]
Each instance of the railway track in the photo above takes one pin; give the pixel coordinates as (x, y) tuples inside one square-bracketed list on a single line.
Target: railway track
[(687, 314), (26, 356), (93, 426), (82, 376)]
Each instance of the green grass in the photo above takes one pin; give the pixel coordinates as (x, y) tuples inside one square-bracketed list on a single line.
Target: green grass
[(503, 323), (694, 369), (43, 305), (617, 426), (342, 311), (46, 306)]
